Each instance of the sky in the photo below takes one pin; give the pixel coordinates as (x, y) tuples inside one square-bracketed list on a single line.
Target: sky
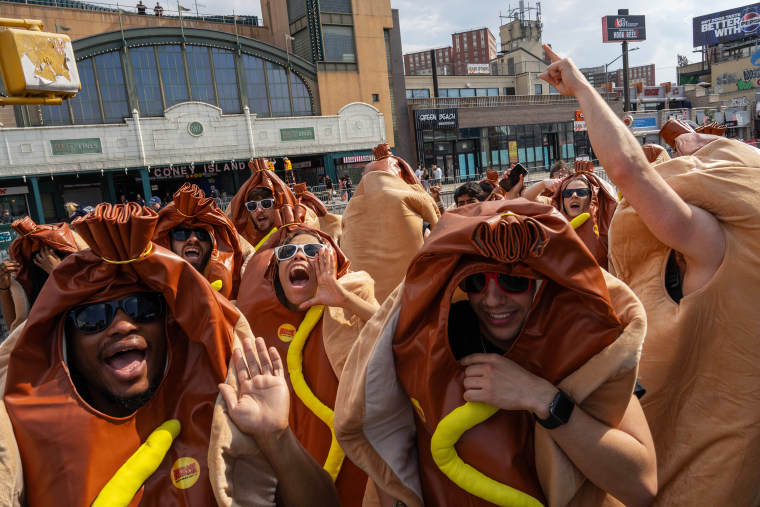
[(572, 27)]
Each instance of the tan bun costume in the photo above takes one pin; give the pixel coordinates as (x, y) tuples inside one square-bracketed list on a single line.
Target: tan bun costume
[(583, 334), (288, 211), (67, 450), (192, 209), (31, 238), (701, 359), (327, 222), (594, 230), (323, 355), (382, 224)]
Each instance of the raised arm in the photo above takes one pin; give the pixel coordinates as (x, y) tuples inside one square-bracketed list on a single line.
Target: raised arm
[(677, 224), (260, 409)]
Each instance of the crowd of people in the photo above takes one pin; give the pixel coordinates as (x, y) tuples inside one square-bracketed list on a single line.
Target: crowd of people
[(560, 344)]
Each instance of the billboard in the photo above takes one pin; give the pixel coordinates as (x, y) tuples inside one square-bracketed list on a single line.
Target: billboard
[(478, 68), (434, 119), (623, 28), (725, 26)]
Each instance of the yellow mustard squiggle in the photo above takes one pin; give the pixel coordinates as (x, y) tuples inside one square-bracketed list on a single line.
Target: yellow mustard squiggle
[(450, 429), (579, 220), (258, 245), (295, 369)]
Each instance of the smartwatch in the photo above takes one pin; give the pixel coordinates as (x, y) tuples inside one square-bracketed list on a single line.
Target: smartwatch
[(559, 411)]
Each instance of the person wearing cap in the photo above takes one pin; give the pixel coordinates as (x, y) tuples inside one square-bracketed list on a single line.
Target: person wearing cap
[(126, 349), (685, 239), (506, 362), (382, 224), (263, 204), (299, 294), (35, 252), (193, 227), (155, 203)]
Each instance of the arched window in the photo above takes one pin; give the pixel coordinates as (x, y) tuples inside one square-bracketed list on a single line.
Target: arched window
[(300, 94), (226, 78), (199, 68), (85, 105), (173, 74), (279, 96), (256, 85), (113, 94), (146, 81)]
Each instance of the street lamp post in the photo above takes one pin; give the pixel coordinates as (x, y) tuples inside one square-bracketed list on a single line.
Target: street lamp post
[(288, 38), (607, 76)]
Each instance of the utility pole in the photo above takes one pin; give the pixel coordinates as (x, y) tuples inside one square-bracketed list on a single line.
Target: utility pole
[(626, 83)]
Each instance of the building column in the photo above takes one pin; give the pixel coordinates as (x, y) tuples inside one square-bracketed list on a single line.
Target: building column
[(145, 176), (110, 188), (36, 204)]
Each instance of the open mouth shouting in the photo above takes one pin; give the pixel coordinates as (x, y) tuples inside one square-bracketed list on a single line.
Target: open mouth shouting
[(299, 276), (126, 359)]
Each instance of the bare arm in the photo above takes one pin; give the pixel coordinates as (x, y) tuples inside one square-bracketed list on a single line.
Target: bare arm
[(261, 410), (6, 300), (677, 224), (332, 293), (532, 192), (620, 460)]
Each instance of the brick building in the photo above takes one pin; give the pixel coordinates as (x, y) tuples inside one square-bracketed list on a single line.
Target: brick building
[(477, 46), (419, 63)]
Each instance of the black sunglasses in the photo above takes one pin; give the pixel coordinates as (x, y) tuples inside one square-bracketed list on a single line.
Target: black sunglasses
[(580, 192), (95, 317), (184, 234), (477, 282), (264, 203)]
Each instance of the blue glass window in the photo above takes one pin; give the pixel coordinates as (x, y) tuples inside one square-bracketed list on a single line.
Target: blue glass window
[(173, 74), (279, 97), (256, 86), (226, 80), (56, 115), (85, 104), (146, 79), (338, 43), (199, 68), (301, 100), (112, 90)]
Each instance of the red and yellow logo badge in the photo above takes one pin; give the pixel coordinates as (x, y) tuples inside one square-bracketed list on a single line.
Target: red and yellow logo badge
[(185, 472), (286, 332)]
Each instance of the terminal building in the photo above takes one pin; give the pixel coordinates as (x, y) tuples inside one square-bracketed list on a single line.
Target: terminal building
[(185, 97)]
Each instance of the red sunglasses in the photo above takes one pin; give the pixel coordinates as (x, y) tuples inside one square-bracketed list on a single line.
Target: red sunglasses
[(477, 283)]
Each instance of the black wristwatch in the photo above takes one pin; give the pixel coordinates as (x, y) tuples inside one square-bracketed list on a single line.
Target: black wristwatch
[(559, 411)]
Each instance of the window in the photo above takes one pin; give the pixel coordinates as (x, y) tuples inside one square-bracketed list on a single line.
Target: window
[(338, 43), (199, 68), (113, 94), (300, 95), (537, 89), (56, 115), (278, 90), (85, 104), (255, 80), (146, 81), (173, 74), (343, 6), (375, 97), (226, 80)]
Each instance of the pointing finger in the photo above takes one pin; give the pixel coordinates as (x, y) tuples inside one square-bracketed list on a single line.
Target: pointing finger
[(554, 57)]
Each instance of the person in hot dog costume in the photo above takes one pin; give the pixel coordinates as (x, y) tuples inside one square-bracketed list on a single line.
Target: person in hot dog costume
[(382, 224), (127, 345), (263, 204), (216, 253), (503, 312), (300, 295), (590, 202), (685, 239), (34, 254)]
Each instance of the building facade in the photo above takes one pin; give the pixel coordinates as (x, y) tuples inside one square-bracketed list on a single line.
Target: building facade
[(472, 51), (420, 64)]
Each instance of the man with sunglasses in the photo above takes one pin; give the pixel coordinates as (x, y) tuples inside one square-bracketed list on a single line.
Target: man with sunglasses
[(506, 362), (265, 203), (193, 227), (128, 337), (685, 238)]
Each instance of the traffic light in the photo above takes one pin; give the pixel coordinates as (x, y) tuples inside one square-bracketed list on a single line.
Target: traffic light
[(37, 67)]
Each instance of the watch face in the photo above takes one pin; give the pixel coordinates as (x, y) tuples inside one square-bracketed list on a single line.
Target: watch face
[(562, 407)]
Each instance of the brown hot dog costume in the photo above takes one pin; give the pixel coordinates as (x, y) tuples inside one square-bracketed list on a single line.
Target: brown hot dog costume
[(583, 333), (67, 449), (382, 224), (323, 355), (192, 209), (701, 359), (326, 222), (601, 207)]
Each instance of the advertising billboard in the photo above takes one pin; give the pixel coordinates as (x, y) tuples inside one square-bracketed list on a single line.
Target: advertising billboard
[(434, 119), (725, 26), (623, 28), (478, 68)]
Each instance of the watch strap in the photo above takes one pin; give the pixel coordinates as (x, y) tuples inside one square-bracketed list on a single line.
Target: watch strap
[(560, 410)]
